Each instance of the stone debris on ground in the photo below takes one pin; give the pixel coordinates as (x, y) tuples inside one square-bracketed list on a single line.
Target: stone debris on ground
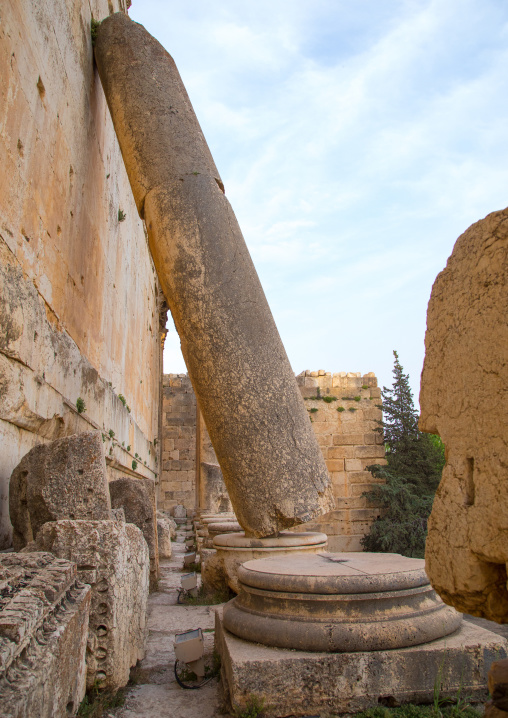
[(164, 538)]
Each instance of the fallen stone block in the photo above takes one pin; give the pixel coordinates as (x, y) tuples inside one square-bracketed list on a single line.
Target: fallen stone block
[(172, 524), (180, 512), (113, 558), (164, 538), (44, 613), (137, 498), (65, 479)]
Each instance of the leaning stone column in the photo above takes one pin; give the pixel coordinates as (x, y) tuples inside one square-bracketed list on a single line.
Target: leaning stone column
[(271, 462)]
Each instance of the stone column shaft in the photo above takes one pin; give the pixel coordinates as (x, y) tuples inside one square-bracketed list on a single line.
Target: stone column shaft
[(253, 410)]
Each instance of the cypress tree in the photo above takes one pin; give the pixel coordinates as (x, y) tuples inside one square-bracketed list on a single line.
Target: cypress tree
[(414, 465)]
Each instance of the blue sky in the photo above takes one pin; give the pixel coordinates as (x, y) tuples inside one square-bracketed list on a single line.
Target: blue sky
[(356, 141)]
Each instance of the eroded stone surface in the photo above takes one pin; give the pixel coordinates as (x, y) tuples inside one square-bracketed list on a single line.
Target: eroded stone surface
[(271, 462), (113, 558), (65, 479), (498, 685), (74, 281), (137, 498), (43, 635), (465, 373)]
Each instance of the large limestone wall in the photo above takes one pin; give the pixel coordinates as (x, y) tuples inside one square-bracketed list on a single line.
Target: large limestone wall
[(345, 427), (178, 477), (80, 302), (346, 431)]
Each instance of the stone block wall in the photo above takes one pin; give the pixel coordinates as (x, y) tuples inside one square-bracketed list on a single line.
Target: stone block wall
[(344, 410), (80, 303), (178, 476)]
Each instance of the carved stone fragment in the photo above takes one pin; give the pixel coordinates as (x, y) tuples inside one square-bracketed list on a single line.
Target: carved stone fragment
[(113, 558), (65, 479), (171, 523), (43, 634)]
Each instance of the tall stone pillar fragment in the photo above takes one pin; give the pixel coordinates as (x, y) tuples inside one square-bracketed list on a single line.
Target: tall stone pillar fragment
[(463, 399), (271, 462)]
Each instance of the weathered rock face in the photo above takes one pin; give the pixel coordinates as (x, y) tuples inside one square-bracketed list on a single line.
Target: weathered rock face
[(464, 377), (43, 635), (269, 456), (76, 283), (137, 498), (65, 479), (113, 558)]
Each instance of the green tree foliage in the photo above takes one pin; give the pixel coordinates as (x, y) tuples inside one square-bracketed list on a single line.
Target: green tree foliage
[(414, 465)]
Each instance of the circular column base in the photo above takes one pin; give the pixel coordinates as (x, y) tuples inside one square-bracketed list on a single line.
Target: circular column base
[(233, 549), (338, 603)]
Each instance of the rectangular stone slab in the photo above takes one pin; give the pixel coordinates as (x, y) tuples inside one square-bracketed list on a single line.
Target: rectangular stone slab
[(301, 683)]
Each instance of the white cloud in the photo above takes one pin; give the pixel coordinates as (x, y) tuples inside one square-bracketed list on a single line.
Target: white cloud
[(356, 141)]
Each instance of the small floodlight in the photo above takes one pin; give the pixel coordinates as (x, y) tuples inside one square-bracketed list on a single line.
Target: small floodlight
[(189, 544), (189, 583), (189, 649)]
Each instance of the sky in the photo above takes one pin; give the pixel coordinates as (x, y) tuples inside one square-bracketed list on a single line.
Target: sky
[(356, 139)]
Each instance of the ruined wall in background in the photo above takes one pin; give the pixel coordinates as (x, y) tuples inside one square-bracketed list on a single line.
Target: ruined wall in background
[(343, 409), (212, 494), (345, 425), (79, 296), (178, 476)]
